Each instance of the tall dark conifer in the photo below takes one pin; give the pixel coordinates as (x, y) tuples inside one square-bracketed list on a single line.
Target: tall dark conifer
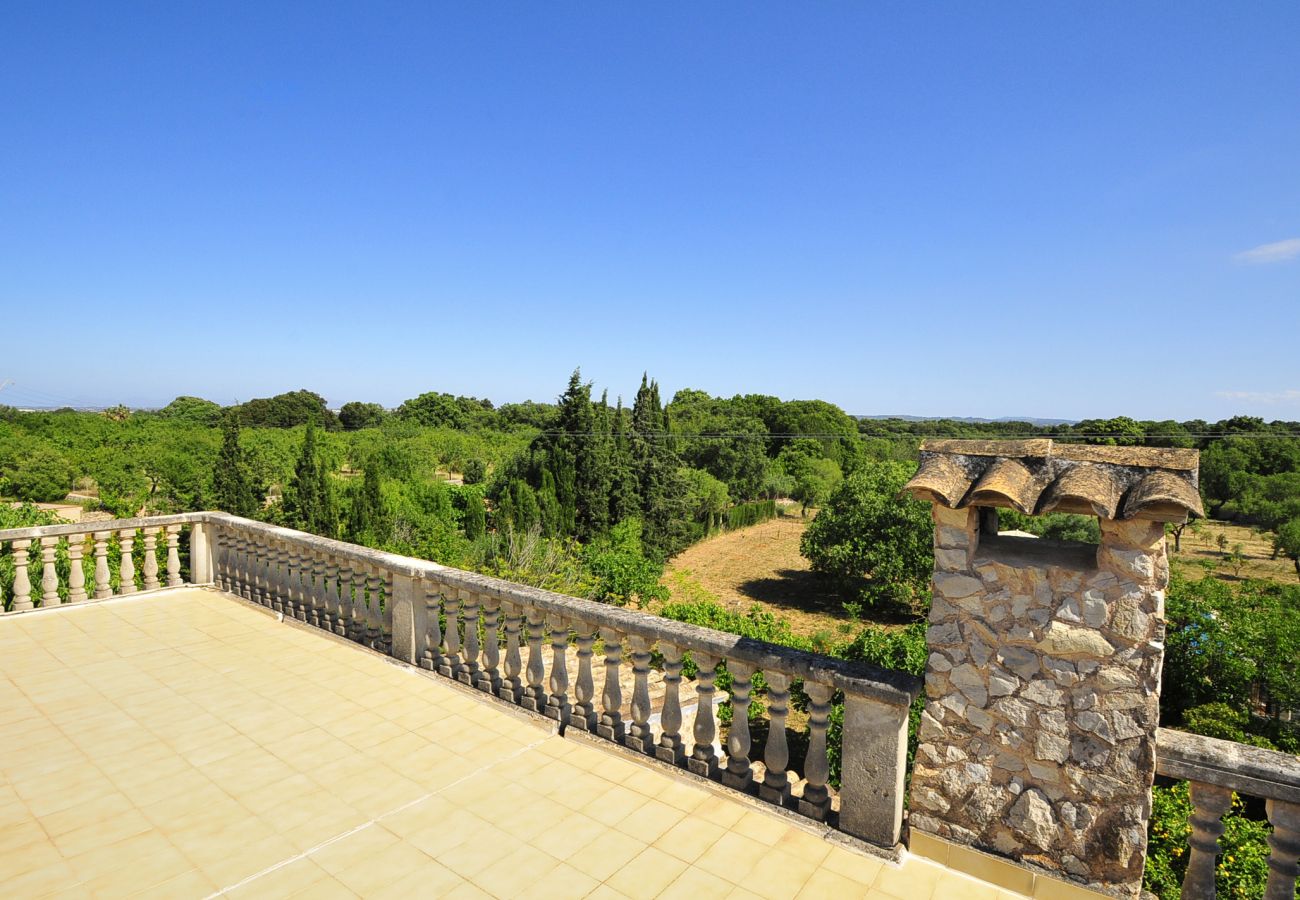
[(233, 489), (309, 498), (625, 490), (656, 466)]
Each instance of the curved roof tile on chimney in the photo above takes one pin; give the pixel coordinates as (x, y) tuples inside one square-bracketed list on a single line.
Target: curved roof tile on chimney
[(1040, 476)]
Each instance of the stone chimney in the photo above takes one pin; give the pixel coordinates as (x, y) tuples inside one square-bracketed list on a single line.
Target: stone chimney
[(1038, 737)]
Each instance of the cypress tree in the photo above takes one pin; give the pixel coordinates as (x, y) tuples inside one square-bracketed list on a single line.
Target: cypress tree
[(656, 463), (368, 519), (475, 516), (309, 498), (625, 492), (233, 490)]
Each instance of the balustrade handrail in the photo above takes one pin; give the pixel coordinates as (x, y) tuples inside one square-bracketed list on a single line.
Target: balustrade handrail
[(39, 531), (1268, 774), (858, 678)]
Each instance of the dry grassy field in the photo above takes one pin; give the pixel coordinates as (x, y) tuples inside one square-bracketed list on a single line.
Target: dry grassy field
[(1197, 548), (760, 565)]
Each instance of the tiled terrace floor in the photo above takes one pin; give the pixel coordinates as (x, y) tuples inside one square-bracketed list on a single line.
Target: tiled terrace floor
[(183, 744)]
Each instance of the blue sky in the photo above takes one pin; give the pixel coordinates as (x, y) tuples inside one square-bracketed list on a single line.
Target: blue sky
[(1058, 210)]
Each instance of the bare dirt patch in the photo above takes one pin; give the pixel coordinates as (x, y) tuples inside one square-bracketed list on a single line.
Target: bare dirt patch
[(761, 565)]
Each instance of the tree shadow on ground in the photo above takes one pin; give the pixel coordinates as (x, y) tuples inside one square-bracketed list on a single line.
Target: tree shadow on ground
[(804, 591)]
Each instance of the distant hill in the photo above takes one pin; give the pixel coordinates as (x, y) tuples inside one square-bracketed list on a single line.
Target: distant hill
[(1030, 419)]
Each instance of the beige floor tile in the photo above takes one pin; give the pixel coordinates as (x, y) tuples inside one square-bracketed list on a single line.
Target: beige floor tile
[(289, 880), (697, 883), (732, 857), (824, 884), (649, 873), (690, 839), (651, 821), (606, 855), (854, 866), (515, 870)]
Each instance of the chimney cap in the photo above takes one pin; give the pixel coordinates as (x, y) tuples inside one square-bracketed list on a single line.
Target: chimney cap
[(1040, 476)]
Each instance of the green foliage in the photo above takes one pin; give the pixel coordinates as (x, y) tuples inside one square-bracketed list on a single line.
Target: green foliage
[(870, 540), (1054, 526), (1242, 869), (1287, 542), (43, 476), (475, 472), (623, 574), (355, 415), (233, 488), (193, 411), (705, 499), (475, 516), (439, 410), (286, 411), (745, 514), (309, 502)]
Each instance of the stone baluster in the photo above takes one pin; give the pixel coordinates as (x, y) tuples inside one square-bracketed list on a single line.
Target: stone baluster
[(558, 703), (267, 572), (489, 679), (450, 665), (347, 613), (386, 613), (374, 620), (1284, 860), (704, 758), (1209, 803), (173, 533), (739, 773), (583, 714), (670, 748), (103, 584), (22, 581), (49, 572), (816, 802), (76, 570), (468, 673), (150, 571), (284, 573), (639, 736), (239, 565), (297, 591), (610, 726), (272, 576), (776, 756), (330, 619), (126, 572), (534, 697), (512, 684), (217, 541), (431, 657), (319, 608)]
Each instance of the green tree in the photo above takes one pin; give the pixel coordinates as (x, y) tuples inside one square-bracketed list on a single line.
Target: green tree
[(354, 416), (44, 476), (871, 540), (1287, 542), (475, 471), (369, 520), (309, 502), (475, 516), (233, 488)]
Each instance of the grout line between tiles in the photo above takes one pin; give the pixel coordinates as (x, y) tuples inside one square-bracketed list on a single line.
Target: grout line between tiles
[(338, 837)]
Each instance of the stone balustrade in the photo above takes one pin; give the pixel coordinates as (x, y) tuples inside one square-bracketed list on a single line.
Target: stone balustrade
[(1216, 769), (58, 564), (513, 642)]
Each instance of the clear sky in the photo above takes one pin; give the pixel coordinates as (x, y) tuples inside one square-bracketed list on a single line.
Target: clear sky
[(982, 209)]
